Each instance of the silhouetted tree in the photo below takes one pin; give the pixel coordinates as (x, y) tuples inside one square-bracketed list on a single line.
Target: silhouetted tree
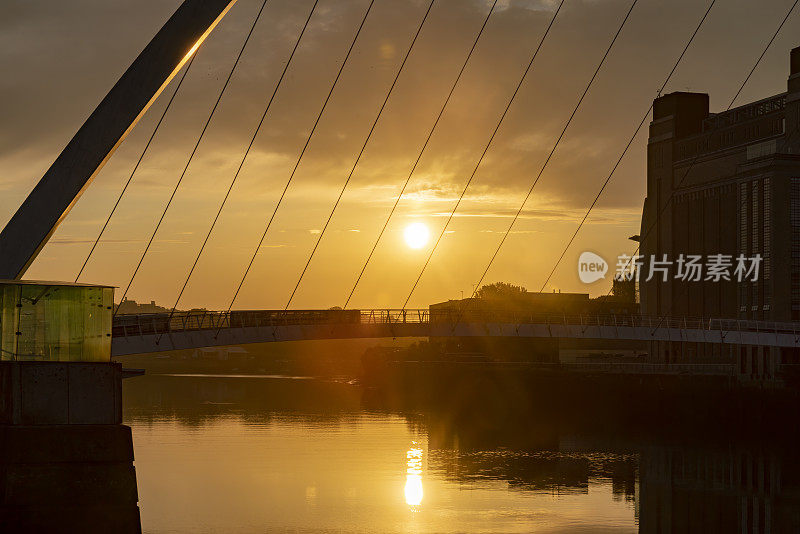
[(500, 291), (624, 290)]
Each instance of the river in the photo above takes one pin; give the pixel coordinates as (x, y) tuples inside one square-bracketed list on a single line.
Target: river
[(278, 453)]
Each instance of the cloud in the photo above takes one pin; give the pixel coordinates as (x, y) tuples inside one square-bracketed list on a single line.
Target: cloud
[(86, 241), (598, 216), (79, 241), (530, 5), (65, 56), (512, 232)]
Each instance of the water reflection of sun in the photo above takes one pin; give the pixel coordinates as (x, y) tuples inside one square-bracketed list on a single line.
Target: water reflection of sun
[(413, 489)]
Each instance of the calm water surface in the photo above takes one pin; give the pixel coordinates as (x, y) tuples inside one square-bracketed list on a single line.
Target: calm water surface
[(258, 454)]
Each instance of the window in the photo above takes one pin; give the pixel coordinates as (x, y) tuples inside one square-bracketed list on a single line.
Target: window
[(743, 226), (754, 241), (767, 224), (758, 150), (794, 222)]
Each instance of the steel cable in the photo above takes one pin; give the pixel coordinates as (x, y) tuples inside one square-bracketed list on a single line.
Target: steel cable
[(194, 151)]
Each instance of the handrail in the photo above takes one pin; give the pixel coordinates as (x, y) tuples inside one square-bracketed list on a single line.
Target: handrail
[(161, 323)]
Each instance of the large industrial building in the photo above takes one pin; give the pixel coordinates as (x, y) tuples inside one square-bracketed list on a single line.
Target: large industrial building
[(724, 183)]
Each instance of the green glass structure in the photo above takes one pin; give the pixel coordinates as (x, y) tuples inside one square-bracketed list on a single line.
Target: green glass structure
[(55, 321)]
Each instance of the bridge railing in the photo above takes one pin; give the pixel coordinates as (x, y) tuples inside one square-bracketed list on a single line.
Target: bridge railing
[(162, 323), (715, 369), (394, 316), (608, 320)]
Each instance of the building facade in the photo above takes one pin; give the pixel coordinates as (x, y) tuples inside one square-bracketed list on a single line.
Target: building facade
[(724, 183)]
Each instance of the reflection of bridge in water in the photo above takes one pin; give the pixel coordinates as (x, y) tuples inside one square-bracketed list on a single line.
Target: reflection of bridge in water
[(144, 333)]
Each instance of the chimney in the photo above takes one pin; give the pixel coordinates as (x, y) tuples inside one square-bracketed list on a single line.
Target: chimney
[(687, 111)]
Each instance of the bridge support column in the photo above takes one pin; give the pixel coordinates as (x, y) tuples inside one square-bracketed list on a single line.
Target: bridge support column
[(59, 189), (759, 364), (66, 460)]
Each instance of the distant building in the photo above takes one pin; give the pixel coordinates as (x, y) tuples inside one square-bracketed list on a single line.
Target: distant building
[(530, 303), (623, 299), (129, 307), (734, 181), (524, 306)]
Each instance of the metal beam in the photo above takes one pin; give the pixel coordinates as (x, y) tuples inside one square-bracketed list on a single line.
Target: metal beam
[(60, 188), (134, 341)]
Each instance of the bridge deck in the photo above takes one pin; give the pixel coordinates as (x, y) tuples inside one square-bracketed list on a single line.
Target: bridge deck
[(137, 334)]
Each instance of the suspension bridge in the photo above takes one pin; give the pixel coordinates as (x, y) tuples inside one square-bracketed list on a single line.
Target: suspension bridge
[(151, 333), (170, 55), (61, 409)]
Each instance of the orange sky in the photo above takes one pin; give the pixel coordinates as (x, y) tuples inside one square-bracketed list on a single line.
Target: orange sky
[(59, 60)]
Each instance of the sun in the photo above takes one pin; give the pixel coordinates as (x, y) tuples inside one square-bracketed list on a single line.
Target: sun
[(416, 235)]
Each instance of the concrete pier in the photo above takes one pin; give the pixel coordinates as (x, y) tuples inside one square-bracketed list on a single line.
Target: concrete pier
[(67, 478), (66, 460), (60, 393)]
